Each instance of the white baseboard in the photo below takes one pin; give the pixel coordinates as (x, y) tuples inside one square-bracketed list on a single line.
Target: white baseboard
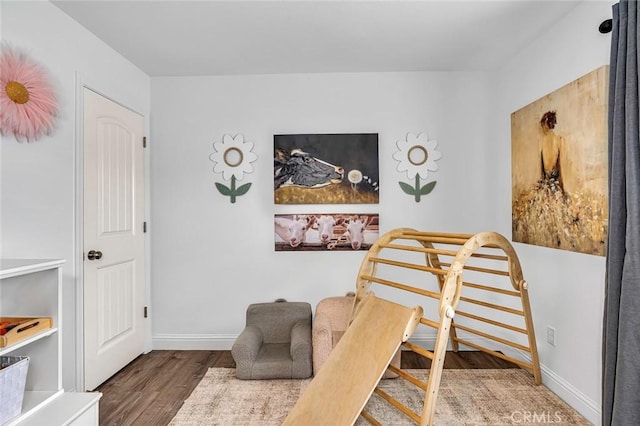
[(584, 405), (573, 396), (580, 402), (193, 342)]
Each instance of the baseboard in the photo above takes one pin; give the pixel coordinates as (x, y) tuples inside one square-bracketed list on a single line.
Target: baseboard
[(580, 402), (587, 407), (573, 396), (193, 342)]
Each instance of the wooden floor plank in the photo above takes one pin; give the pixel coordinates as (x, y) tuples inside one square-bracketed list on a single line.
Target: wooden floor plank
[(152, 388)]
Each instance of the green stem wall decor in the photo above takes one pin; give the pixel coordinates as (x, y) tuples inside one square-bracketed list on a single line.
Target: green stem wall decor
[(417, 191), (232, 192)]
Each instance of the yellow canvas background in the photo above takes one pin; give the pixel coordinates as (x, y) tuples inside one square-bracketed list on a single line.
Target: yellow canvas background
[(581, 111)]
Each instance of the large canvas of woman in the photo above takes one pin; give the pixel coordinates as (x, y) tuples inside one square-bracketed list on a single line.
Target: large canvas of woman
[(559, 167)]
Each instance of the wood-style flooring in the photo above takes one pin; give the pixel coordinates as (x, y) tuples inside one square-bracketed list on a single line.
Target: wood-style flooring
[(151, 389)]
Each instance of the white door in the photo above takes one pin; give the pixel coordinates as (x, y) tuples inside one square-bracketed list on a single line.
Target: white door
[(114, 287)]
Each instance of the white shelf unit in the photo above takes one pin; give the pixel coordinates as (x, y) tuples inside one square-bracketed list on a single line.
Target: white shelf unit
[(33, 288)]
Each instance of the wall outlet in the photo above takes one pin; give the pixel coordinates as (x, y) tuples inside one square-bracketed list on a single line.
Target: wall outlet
[(551, 335)]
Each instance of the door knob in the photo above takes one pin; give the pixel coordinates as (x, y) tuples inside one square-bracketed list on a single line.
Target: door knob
[(94, 255)]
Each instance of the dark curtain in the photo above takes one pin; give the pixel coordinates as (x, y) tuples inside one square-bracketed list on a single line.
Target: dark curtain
[(621, 328)]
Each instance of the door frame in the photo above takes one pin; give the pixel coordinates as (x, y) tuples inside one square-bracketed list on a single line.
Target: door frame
[(81, 83)]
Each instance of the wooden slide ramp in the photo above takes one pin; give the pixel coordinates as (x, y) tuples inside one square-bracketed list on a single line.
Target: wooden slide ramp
[(342, 387)]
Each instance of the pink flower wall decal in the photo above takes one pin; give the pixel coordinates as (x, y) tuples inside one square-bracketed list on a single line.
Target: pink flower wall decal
[(28, 105)]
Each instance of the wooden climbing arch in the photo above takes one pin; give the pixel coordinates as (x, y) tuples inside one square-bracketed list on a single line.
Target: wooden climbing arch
[(478, 299)]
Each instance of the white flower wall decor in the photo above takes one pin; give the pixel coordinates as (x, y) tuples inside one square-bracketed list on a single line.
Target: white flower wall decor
[(233, 157), (417, 155)]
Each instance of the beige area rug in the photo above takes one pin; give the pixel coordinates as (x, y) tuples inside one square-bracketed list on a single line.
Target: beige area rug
[(466, 397)]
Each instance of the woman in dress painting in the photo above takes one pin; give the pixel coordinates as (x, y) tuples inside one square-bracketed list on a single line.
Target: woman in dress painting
[(550, 150)]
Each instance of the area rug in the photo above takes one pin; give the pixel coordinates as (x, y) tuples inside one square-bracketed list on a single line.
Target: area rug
[(466, 397)]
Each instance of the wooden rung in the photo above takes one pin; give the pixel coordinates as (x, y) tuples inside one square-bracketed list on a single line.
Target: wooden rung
[(439, 251), (401, 286), (450, 240), (413, 233), (419, 249), (484, 270), (491, 337), (368, 417), (490, 256), (419, 350), (429, 322), (492, 322), (408, 377), (408, 265), (454, 253), (492, 306), (397, 404), (518, 362), (433, 236), (489, 288), (442, 252)]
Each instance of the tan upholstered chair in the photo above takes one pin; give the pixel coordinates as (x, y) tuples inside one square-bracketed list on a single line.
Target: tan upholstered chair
[(329, 324), (276, 342)]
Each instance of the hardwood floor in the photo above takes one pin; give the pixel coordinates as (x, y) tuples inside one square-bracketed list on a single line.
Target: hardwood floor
[(151, 389)]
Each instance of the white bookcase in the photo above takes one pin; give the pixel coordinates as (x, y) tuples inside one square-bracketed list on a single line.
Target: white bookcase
[(33, 288)]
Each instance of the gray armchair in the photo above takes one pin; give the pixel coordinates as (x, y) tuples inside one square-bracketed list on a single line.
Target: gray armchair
[(275, 343)]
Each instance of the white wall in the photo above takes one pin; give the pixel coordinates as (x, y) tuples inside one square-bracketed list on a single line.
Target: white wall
[(38, 179), (566, 288), (212, 258)]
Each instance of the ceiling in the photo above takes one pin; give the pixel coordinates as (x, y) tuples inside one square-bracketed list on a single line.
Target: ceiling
[(190, 38)]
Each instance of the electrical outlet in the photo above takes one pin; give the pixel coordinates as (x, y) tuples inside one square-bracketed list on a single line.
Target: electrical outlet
[(551, 335)]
